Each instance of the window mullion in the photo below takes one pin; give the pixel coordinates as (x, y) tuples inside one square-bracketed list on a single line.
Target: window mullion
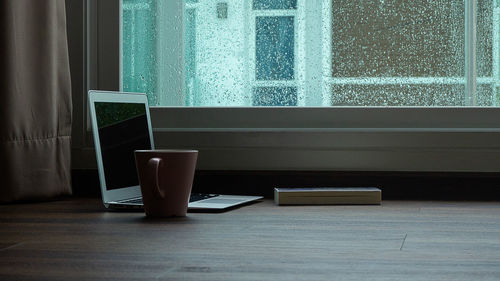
[(470, 52), (327, 29)]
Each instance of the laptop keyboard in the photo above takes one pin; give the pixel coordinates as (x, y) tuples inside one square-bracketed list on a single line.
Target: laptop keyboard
[(194, 197), (201, 196)]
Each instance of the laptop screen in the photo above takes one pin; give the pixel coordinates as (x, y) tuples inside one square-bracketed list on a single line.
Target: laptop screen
[(123, 128)]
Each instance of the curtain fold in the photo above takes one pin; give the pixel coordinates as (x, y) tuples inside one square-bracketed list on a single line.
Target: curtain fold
[(35, 100)]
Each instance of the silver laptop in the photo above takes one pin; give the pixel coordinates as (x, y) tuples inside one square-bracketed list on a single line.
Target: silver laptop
[(121, 124)]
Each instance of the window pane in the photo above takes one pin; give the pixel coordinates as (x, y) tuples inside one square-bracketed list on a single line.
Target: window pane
[(330, 52), (487, 52), (398, 95), (139, 44), (275, 96), (398, 38), (274, 4), (274, 50), (484, 37), (402, 40), (485, 94)]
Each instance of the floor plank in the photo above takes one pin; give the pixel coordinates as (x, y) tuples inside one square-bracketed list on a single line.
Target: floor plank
[(399, 240)]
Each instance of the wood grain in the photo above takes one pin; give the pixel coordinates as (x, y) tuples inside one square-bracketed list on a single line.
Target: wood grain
[(78, 239)]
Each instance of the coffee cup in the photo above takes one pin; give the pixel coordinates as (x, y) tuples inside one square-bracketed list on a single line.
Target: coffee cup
[(166, 179)]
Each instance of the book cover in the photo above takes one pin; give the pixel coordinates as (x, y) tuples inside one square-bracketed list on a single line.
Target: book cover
[(328, 196)]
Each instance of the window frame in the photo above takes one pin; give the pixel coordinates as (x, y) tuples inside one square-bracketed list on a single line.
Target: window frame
[(444, 139)]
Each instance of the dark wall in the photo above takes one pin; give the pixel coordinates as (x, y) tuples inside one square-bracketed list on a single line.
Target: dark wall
[(394, 185)]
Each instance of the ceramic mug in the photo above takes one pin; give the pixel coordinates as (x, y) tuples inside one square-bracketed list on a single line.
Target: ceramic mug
[(166, 179)]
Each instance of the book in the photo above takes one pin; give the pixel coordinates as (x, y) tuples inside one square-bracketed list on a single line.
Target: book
[(328, 196)]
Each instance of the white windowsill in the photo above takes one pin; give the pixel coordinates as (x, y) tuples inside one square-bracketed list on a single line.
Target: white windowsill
[(457, 139)]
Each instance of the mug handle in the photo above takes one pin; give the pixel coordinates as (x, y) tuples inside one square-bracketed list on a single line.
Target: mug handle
[(154, 164)]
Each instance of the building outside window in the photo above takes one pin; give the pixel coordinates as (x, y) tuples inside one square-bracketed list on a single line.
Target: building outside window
[(317, 53)]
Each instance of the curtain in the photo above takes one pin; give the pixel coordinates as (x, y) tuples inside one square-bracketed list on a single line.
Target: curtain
[(35, 100)]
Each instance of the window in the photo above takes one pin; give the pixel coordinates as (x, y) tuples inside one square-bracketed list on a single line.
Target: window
[(319, 53), (350, 101)]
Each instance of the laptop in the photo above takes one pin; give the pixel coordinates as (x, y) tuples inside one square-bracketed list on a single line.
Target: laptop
[(121, 124)]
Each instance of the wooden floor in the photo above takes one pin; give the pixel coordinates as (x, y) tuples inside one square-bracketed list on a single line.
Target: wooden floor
[(399, 240)]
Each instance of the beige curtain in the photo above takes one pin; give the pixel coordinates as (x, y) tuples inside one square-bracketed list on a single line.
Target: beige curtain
[(35, 100)]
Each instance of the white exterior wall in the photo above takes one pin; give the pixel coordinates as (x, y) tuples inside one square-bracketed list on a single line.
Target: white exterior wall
[(222, 54), (225, 58)]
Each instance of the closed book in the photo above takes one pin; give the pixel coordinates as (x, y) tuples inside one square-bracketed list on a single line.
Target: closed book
[(328, 196)]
